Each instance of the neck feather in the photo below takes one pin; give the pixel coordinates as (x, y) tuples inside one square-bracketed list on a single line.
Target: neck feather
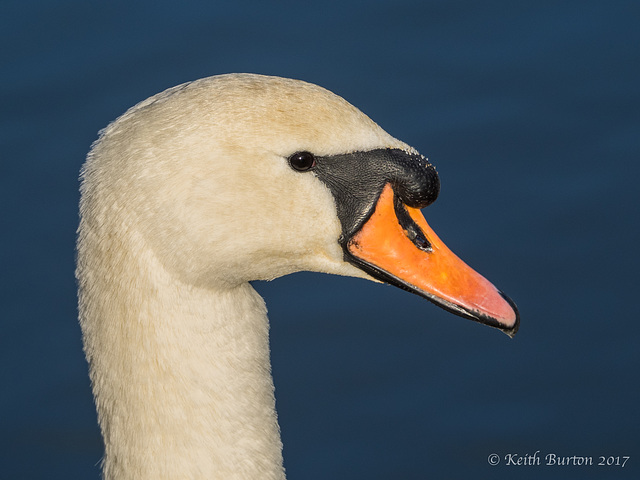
[(181, 375)]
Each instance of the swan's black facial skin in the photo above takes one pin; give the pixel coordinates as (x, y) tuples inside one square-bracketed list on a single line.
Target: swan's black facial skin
[(356, 181)]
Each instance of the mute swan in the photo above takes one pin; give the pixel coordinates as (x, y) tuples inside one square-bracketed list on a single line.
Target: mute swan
[(200, 189)]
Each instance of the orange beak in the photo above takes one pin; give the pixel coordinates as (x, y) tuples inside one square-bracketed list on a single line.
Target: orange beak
[(397, 245)]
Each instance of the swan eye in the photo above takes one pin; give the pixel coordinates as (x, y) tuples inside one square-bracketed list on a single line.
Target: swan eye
[(302, 161)]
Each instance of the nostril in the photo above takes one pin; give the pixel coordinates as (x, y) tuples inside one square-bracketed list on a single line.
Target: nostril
[(410, 228)]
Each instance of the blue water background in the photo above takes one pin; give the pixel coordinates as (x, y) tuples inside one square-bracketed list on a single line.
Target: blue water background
[(531, 113)]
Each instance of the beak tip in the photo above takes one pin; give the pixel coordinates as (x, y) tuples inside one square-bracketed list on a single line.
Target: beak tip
[(513, 329), (511, 332)]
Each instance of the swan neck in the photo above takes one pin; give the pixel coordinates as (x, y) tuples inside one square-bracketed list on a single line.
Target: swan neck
[(181, 375)]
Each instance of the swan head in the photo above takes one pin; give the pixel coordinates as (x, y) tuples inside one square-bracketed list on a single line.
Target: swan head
[(245, 177)]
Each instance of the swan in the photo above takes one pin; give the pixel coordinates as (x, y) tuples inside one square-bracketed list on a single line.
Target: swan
[(192, 194)]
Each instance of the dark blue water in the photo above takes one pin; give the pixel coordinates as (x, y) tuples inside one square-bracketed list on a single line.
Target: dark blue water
[(531, 113)]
